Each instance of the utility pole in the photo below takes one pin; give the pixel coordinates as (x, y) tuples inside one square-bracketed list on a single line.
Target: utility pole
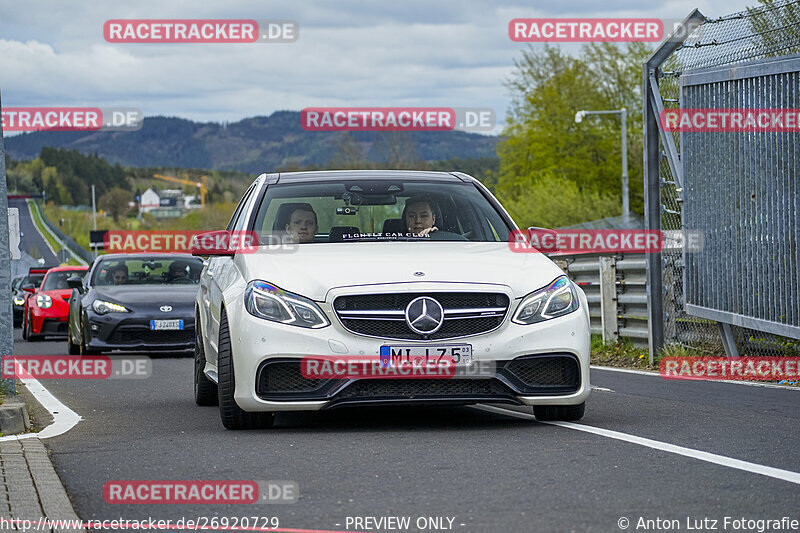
[(94, 218), (6, 316), (626, 206), (623, 113)]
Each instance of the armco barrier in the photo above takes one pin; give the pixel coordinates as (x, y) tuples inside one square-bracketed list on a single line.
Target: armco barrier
[(615, 289), (73, 246)]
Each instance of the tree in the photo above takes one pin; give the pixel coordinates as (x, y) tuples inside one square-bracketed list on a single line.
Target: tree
[(349, 153), (115, 202), (543, 145)]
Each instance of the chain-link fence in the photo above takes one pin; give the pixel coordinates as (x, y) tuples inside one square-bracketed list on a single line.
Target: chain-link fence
[(758, 34)]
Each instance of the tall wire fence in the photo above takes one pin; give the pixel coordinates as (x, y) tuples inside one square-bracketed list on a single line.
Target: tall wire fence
[(769, 31)]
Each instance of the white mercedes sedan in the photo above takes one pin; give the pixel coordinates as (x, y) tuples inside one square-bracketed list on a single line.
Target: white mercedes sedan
[(383, 288)]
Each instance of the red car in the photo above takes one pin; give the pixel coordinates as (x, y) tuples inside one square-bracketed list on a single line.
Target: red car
[(47, 310)]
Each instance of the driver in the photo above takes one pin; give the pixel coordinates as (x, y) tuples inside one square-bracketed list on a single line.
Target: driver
[(120, 275), (302, 224), (419, 215)]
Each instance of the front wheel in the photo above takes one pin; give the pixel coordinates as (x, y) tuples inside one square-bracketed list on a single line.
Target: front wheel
[(72, 348), (29, 336), (547, 413), (205, 390), (233, 417), (82, 348)]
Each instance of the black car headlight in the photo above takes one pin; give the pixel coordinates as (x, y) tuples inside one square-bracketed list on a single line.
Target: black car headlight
[(102, 307), (265, 300), (557, 299)]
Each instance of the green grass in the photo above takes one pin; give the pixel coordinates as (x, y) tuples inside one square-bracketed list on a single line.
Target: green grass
[(622, 354), (78, 224)]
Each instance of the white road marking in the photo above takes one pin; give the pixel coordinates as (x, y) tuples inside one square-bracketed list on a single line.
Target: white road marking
[(731, 382), (64, 418), (777, 473), (601, 389)]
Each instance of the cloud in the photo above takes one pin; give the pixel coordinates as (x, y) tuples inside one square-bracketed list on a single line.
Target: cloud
[(350, 53)]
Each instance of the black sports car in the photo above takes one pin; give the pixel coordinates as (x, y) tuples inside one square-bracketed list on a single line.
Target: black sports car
[(134, 302), (19, 295)]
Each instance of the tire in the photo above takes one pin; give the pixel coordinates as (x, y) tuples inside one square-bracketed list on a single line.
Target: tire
[(205, 390), (82, 348), (25, 327), (29, 336), (233, 417), (546, 413), (72, 348)]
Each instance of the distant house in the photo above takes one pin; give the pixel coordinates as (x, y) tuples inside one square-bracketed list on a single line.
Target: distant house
[(149, 201), (166, 203)]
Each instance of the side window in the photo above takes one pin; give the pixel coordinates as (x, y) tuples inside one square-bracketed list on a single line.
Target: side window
[(241, 221), (237, 220)]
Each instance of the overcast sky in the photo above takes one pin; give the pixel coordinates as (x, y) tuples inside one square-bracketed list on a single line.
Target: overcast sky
[(349, 53)]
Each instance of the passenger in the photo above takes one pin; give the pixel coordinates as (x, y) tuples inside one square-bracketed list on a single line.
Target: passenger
[(120, 275), (178, 270), (302, 224), (419, 215)]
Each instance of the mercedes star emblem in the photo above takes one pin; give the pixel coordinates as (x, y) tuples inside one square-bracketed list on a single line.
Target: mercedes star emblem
[(424, 315)]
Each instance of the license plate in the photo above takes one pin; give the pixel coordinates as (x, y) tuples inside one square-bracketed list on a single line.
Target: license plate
[(459, 354), (166, 324)]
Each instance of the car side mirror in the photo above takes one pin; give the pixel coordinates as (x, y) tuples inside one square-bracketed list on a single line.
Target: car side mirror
[(224, 243), (29, 287), (550, 234), (75, 282)]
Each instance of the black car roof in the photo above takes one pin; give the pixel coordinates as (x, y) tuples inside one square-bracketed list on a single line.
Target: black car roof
[(336, 175)]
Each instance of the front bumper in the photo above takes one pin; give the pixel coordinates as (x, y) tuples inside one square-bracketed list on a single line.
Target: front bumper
[(115, 331), (256, 342), (51, 322)]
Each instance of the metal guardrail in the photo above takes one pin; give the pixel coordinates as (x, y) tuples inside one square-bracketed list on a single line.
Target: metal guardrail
[(73, 246), (615, 290)]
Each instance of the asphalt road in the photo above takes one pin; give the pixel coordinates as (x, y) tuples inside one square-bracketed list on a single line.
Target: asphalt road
[(489, 471), (32, 241)]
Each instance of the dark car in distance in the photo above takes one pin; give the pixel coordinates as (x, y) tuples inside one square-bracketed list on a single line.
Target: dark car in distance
[(22, 287), (134, 302)]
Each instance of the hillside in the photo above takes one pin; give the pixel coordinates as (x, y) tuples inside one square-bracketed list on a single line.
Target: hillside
[(251, 145)]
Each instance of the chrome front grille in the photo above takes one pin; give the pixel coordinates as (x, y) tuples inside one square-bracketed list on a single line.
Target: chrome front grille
[(383, 315)]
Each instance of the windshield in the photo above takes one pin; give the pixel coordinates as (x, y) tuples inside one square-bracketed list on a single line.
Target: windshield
[(379, 210), (156, 270), (55, 281), (35, 279)]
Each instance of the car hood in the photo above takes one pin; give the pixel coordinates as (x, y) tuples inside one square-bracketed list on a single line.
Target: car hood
[(312, 270)]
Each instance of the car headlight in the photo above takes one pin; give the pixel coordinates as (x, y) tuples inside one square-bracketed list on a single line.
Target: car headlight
[(265, 300), (19, 301), (44, 301), (557, 299), (102, 307)]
